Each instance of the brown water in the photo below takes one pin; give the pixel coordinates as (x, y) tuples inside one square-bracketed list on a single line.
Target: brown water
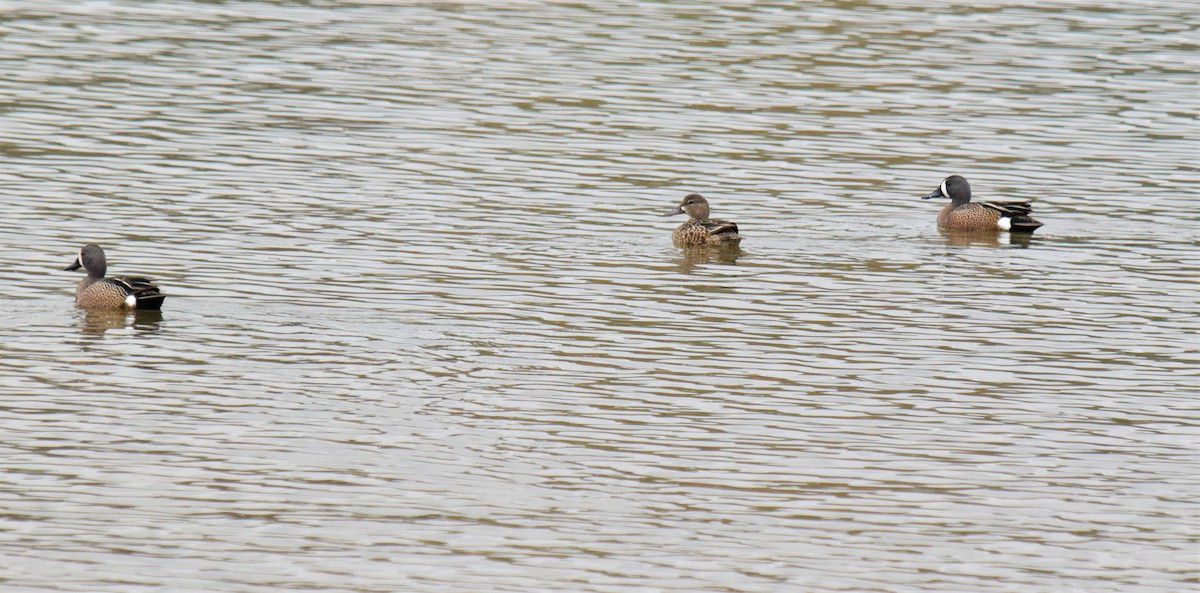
[(426, 331)]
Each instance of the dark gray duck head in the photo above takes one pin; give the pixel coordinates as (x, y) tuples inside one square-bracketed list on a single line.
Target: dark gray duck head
[(90, 258), (954, 187)]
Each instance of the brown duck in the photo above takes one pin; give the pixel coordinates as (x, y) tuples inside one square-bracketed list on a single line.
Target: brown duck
[(961, 214), (122, 292), (700, 229)]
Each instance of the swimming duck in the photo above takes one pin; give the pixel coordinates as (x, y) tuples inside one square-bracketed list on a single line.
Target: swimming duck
[(122, 292), (961, 214), (700, 229)]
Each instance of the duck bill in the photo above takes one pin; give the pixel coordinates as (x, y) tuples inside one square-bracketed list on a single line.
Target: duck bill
[(74, 266), (677, 210), (937, 193)]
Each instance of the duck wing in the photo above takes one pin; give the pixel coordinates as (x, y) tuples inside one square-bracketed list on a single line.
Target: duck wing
[(146, 292), (719, 227), (1013, 209), (1017, 213)]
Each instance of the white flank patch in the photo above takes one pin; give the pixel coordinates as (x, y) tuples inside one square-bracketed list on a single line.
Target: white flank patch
[(131, 301), (1004, 223)]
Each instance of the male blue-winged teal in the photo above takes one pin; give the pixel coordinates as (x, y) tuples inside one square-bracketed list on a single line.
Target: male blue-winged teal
[(961, 214), (700, 229), (122, 292)]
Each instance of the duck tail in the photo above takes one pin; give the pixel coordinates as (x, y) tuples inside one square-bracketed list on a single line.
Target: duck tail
[(1024, 224)]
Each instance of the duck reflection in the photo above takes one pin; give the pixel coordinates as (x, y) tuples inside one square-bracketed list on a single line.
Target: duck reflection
[(698, 255), (986, 238), (96, 322)]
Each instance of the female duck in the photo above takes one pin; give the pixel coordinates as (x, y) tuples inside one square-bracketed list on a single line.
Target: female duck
[(961, 214), (122, 292), (700, 229)]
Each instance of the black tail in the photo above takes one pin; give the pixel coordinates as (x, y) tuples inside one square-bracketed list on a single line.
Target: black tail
[(150, 301), (1024, 224), (1017, 213), (148, 296)]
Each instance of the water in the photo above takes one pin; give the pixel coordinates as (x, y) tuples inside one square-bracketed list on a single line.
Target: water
[(425, 329)]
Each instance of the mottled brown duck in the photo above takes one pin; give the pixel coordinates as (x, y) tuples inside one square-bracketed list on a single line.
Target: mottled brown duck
[(96, 291), (700, 229), (961, 214)]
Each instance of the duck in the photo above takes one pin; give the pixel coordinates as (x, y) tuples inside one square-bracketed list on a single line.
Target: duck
[(96, 291), (961, 214), (700, 229)]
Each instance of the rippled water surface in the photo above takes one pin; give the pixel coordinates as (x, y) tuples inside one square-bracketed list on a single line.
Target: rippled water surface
[(426, 331)]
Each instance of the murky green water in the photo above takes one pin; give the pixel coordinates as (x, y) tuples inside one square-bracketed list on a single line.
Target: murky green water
[(426, 330)]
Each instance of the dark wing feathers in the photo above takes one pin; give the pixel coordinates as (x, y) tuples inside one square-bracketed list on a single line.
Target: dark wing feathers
[(719, 227), (1013, 209), (147, 294), (1018, 214)]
